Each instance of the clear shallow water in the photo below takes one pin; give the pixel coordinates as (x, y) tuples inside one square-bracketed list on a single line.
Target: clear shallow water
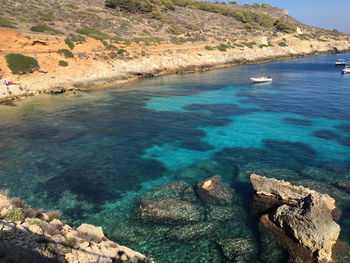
[(93, 156)]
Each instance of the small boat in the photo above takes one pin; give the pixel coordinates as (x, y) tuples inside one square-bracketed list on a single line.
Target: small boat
[(340, 62), (346, 70), (261, 79)]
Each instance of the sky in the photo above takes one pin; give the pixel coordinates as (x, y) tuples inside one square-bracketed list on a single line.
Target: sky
[(328, 14)]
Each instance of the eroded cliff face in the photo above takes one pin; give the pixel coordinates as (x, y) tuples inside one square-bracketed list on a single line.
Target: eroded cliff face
[(307, 218)]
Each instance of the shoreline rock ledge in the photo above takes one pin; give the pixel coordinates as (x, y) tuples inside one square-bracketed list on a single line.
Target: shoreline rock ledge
[(306, 216)]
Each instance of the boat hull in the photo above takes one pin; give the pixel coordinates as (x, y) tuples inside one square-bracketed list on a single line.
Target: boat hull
[(260, 80)]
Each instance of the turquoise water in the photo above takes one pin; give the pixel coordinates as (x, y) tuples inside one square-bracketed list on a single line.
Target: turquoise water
[(94, 155)]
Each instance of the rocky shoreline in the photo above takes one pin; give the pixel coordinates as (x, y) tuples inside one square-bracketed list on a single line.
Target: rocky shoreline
[(29, 235), (125, 70)]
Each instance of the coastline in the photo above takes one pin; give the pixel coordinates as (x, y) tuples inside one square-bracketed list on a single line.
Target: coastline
[(84, 75)]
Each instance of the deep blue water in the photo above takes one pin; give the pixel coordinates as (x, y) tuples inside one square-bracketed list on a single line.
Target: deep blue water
[(92, 156)]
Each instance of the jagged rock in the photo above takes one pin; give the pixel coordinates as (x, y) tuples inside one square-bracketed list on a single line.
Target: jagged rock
[(167, 211), (277, 246), (213, 190), (237, 249), (191, 232), (311, 223), (286, 191)]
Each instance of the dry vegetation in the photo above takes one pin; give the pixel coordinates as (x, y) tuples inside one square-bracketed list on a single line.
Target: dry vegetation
[(151, 21)]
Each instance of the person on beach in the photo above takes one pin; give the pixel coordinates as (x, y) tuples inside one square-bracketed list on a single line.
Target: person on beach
[(67, 92), (74, 91)]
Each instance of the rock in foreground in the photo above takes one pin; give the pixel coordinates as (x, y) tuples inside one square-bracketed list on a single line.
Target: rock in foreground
[(307, 217), (311, 223)]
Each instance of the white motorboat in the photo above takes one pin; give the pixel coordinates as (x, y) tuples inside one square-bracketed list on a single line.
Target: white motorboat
[(261, 79), (340, 62), (346, 70)]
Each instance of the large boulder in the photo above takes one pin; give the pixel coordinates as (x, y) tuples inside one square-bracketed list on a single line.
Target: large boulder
[(311, 223), (213, 190), (286, 191), (237, 249), (167, 211)]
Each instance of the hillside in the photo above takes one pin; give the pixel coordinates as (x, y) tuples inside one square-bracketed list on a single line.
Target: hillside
[(119, 39)]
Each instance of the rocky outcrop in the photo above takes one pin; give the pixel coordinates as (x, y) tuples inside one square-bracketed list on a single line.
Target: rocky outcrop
[(28, 235), (213, 190), (307, 217), (236, 250), (311, 223), (167, 211), (286, 191)]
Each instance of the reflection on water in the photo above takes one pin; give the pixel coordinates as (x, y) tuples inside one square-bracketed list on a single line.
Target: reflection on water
[(93, 156)]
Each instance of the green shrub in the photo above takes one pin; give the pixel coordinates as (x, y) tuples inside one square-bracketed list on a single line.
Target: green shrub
[(155, 14), (111, 47), (121, 51), (63, 63), (148, 6), (37, 222), (105, 43), (209, 47), (263, 45), (15, 214), (20, 64), (93, 33), (176, 31), (248, 44), (67, 53), (284, 26), (77, 38), (6, 23), (282, 44), (44, 28), (223, 47), (51, 247), (69, 43), (72, 6)]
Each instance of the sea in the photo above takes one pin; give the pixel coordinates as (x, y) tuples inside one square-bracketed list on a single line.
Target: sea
[(93, 156)]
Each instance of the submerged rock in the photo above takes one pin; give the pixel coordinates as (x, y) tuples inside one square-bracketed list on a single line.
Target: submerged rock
[(213, 190), (237, 249), (173, 190), (223, 213), (311, 223), (191, 232), (167, 211)]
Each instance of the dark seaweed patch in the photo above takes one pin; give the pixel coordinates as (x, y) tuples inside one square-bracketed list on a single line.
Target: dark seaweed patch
[(345, 141), (298, 151), (344, 128), (325, 134), (298, 122), (220, 109)]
